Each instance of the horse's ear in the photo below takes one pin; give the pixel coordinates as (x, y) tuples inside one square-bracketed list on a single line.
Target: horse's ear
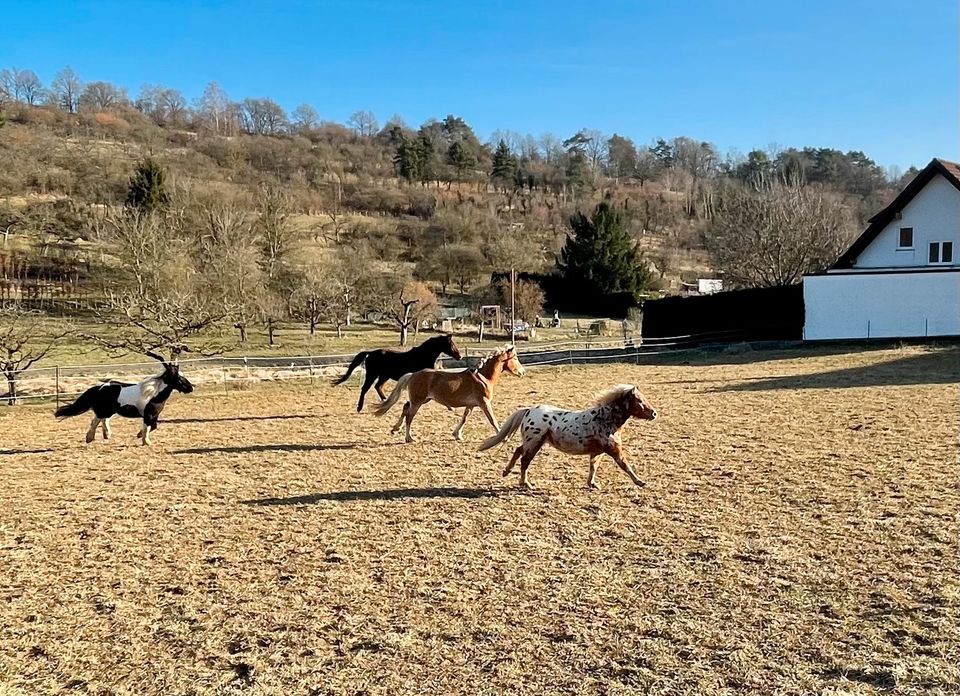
[(151, 354)]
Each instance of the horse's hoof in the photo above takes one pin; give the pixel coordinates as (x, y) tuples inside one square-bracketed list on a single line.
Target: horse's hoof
[(640, 484), (90, 438), (593, 487), (408, 439)]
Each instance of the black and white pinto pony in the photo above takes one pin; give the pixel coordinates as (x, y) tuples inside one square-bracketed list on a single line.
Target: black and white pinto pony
[(144, 399)]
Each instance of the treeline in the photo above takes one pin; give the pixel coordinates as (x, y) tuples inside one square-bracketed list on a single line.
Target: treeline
[(432, 203)]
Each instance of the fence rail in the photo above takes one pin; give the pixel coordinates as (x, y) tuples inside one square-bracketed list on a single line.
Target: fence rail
[(64, 382)]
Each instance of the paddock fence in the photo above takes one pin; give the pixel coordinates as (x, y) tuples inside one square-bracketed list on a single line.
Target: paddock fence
[(65, 382)]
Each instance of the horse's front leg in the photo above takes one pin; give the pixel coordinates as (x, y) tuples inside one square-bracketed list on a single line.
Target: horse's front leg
[(458, 431), (615, 450), (488, 412), (92, 430), (106, 429)]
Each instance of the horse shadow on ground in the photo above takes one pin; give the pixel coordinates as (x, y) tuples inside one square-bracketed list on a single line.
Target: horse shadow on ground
[(235, 418), (384, 494), (14, 452), (279, 447), (939, 367)]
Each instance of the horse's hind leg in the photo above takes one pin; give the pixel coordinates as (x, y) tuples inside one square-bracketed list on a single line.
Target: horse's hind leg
[(592, 477), (403, 414), (513, 460), (458, 431), (411, 413), (368, 381), (92, 430), (379, 387), (527, 457), (106, 429)]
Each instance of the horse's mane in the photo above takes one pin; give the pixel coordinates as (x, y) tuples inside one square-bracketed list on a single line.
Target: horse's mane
[(613, 394), (151, 386), (495, 354)]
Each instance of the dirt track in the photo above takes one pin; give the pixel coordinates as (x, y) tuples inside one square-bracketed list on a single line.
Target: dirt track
[(797, 534)]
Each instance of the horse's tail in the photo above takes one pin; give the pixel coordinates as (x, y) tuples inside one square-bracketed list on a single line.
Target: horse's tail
[(83, 403), (395, 394), (509, 427), (354, 364)]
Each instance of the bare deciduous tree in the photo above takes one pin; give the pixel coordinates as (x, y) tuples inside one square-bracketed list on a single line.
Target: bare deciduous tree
[(305, 118), (25, 339), (101, 96), (364, 123), (263, 116), (773, 237), (66, 89)]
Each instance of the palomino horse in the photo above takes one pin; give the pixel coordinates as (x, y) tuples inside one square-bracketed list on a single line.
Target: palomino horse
[(143, 400), (467, 388), (384, 364), (593, 431)]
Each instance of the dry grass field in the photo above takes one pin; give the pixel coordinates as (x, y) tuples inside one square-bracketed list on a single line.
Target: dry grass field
[(797, 535)]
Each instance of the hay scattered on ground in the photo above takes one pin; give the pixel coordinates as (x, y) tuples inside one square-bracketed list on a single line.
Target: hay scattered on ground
[(797, 534)]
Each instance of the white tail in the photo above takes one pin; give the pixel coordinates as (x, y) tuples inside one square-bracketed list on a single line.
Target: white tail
[(394, 395), (508, 428)]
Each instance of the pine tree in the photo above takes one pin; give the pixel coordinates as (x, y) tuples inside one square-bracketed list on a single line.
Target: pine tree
[(147, 191), (599, 258), (504, 165), (460, 157)]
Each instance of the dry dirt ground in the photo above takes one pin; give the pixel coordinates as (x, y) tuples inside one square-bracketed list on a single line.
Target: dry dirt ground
[(797, 534)]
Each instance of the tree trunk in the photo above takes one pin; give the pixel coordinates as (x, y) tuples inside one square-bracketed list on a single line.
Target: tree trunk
[(403, 334), (339, 330), (11, 387), (270, 330)]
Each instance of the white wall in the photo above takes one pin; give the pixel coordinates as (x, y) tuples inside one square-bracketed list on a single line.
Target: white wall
[(934, 215), (887, 305)]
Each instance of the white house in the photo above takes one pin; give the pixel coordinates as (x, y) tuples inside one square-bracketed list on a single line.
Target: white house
[(901, 277)]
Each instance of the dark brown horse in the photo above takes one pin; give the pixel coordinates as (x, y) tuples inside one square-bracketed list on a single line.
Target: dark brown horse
[(385, 364)]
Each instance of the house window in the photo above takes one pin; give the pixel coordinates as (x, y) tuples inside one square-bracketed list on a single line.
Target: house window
[(941, 252), (906, 238)]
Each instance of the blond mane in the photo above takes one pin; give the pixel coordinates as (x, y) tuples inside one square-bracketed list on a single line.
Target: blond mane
[(613, 394)]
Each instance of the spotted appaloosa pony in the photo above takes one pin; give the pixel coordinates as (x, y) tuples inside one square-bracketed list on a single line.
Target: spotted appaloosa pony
[(593, 431), (384, 364), (144, 400), (468, 388)]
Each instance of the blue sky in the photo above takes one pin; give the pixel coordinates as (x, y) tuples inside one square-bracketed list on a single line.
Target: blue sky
[(878, 76)]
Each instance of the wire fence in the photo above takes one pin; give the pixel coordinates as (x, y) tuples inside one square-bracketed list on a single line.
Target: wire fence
[(64, 382)]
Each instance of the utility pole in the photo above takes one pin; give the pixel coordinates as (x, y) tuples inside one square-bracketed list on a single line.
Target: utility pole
[(513, 306)]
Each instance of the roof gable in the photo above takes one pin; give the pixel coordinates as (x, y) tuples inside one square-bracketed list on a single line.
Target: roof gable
[(949, 170)]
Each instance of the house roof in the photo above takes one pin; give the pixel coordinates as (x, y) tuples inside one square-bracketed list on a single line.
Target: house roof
[(949, 170)]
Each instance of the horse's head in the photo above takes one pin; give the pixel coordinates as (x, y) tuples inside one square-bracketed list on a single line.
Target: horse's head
[(171, 375), (449, 346), (638, 406), (511, 362)]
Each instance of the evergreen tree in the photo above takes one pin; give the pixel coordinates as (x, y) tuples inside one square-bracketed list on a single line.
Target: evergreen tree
[(599, 258), (407, 158), (504, 165), (147, 191), (461, 158)]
